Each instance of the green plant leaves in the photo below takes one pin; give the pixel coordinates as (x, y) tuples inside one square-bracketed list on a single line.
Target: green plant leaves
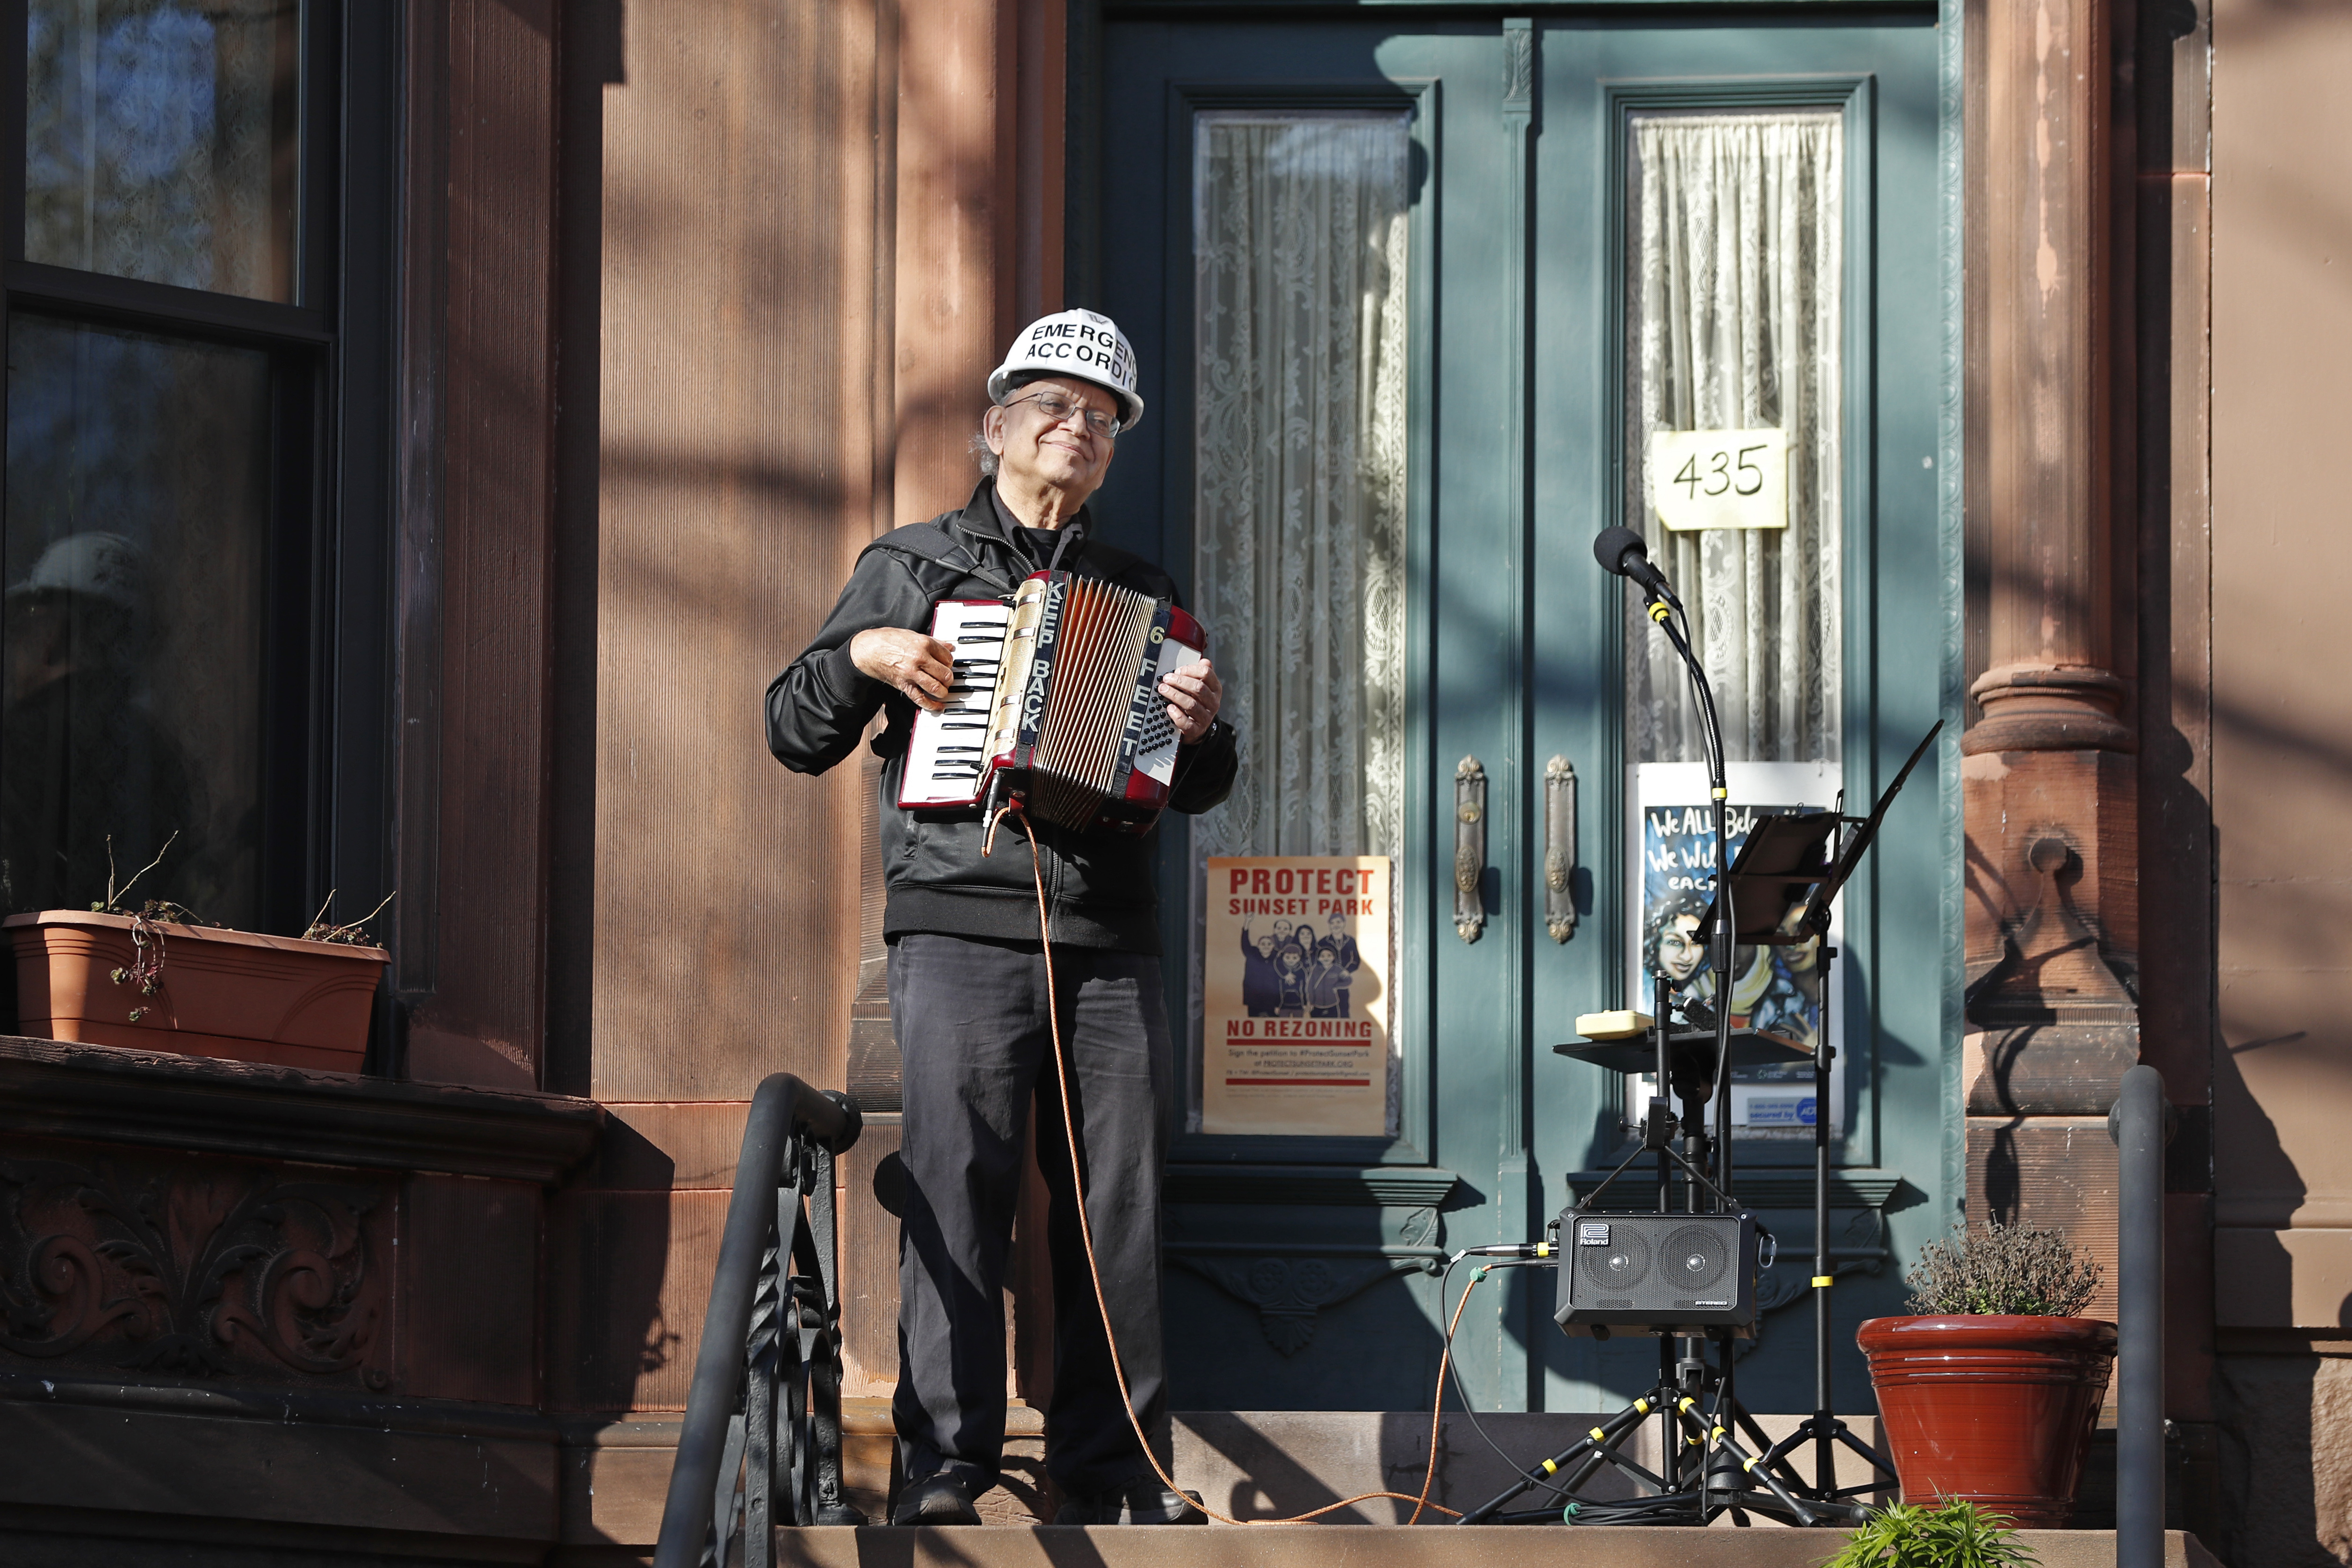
[(1956, 1534)]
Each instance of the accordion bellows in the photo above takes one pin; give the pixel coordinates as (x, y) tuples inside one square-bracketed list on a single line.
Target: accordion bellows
[(1056, 705)]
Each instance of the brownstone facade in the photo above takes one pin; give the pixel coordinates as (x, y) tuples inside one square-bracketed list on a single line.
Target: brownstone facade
[(694, 298)]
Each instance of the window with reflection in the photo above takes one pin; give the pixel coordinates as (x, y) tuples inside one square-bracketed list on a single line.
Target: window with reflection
[(138, 507), (168, 401), (163, 141)]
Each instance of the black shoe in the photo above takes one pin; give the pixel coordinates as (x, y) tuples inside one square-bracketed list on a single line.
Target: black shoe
[(937, 1499), (1138, 1503)]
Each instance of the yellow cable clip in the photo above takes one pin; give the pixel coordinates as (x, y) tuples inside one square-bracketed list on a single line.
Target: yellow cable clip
[(1822, 1281), (1551, 1468), (1658, 610), (1685, 1403), (1598, 1436), (1718, 794), (1641, 1406), (1747, 1465), (1543, 1249), (1716, 1436)]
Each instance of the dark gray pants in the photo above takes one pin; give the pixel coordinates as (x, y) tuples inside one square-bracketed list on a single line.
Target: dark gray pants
[(973, 1035)]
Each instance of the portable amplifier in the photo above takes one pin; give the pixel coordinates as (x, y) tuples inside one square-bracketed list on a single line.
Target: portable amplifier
[(1656, 1272)]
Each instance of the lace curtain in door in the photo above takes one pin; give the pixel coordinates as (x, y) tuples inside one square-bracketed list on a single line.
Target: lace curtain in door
[(1301, 242), (1299, 247), (1736, 270)]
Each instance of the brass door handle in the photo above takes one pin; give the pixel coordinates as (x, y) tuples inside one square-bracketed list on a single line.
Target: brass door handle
[(1559, 849), (1469, 848)]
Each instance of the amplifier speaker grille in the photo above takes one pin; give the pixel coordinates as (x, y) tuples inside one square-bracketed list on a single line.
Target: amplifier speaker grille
[(1662, 1271), (1695, 1259), (1619, 1267)]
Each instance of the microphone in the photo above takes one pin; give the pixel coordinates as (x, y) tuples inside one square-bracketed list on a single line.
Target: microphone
[(1622, 550)]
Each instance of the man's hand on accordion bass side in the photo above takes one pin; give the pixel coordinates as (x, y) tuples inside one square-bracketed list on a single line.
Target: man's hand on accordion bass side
[(920, 666), (1194, 694)]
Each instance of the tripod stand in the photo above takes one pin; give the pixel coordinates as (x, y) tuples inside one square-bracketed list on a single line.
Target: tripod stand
[(1714, 1457), (1781, 892)]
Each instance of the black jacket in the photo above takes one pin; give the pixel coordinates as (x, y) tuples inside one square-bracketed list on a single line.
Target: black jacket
[(1098, 885)]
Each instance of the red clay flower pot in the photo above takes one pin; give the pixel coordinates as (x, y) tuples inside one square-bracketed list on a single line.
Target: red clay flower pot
[(235, 993), (1997, 1410)]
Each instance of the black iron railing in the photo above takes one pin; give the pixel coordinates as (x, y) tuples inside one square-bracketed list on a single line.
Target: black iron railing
[(761, 1442)]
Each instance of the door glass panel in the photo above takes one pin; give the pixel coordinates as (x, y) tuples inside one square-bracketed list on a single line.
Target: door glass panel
[(1735, 276), (1735, 269), (135, 543), (160, 140), (1300, 322)]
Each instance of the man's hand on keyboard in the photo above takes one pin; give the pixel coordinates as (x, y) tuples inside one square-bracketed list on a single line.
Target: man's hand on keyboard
[(919, 665)]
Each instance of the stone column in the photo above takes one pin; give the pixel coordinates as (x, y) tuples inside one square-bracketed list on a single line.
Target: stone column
[(2048, 778)]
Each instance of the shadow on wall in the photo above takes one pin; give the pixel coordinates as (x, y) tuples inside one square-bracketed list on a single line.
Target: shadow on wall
[(612, 1347), (2286, 1458)]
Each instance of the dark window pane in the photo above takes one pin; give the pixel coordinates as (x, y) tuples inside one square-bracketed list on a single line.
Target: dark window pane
[(135, 547), (160, 140)]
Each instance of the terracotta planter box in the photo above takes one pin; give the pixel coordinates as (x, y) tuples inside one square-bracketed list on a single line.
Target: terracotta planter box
[(1997, 1410), (233, 994)]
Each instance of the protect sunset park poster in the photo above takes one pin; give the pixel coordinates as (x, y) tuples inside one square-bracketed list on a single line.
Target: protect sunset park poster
[(1295, 997)]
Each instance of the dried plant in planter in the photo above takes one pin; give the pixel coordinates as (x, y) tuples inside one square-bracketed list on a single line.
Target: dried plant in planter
[(2005, 1270), (145, 969), (101, 978), (323, 929)]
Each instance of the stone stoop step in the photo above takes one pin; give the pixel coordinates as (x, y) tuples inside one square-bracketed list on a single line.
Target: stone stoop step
[(1366, 1546), (1272, 1464)]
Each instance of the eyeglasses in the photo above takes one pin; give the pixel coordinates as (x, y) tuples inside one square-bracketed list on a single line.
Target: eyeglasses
[(1057, 407)]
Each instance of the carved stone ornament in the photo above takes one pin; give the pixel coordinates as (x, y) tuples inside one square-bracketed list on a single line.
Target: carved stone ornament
[(191, 1271)]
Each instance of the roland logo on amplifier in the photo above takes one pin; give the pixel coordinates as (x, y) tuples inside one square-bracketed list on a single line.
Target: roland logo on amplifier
[(1657, 1272)]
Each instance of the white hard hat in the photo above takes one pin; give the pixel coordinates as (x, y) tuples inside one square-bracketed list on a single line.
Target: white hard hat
[(96, 565), (1080, 343)]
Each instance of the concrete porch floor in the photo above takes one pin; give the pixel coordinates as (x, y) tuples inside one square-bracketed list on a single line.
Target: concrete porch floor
[(1272, 1464), (1367, 1546)]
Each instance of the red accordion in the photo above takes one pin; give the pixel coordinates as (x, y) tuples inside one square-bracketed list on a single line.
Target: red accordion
[(1056, 705)]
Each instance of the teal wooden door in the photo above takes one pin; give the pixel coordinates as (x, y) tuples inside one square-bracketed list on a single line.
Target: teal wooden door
[(1302, 1267)]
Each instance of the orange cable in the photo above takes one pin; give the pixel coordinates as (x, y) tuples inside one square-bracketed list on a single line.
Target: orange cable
[(1086, 1233), (1437, 1406)]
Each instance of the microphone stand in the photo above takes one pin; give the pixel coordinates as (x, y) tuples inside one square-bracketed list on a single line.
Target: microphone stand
[(1663, 608)]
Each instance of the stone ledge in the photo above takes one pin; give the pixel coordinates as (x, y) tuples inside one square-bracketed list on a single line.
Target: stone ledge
[(112, 1094), (285, 1408), (248, 1462)]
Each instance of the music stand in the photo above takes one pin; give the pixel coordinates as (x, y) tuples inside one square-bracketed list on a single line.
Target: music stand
[(1781, 892)]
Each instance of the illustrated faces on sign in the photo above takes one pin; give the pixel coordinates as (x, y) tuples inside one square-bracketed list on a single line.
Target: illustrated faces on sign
[(1679, 950)]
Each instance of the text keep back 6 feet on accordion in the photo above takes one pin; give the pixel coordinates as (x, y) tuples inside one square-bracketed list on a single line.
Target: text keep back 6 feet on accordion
[(1056, 705)]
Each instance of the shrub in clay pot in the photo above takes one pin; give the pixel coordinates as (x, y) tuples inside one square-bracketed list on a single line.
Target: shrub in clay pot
[(1989, 1393)]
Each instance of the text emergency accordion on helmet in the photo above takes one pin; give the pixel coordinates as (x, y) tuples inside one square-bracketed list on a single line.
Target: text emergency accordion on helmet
[(1056, 704)]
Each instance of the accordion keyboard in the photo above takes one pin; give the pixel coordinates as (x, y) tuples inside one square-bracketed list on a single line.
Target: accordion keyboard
[(948, 754)]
